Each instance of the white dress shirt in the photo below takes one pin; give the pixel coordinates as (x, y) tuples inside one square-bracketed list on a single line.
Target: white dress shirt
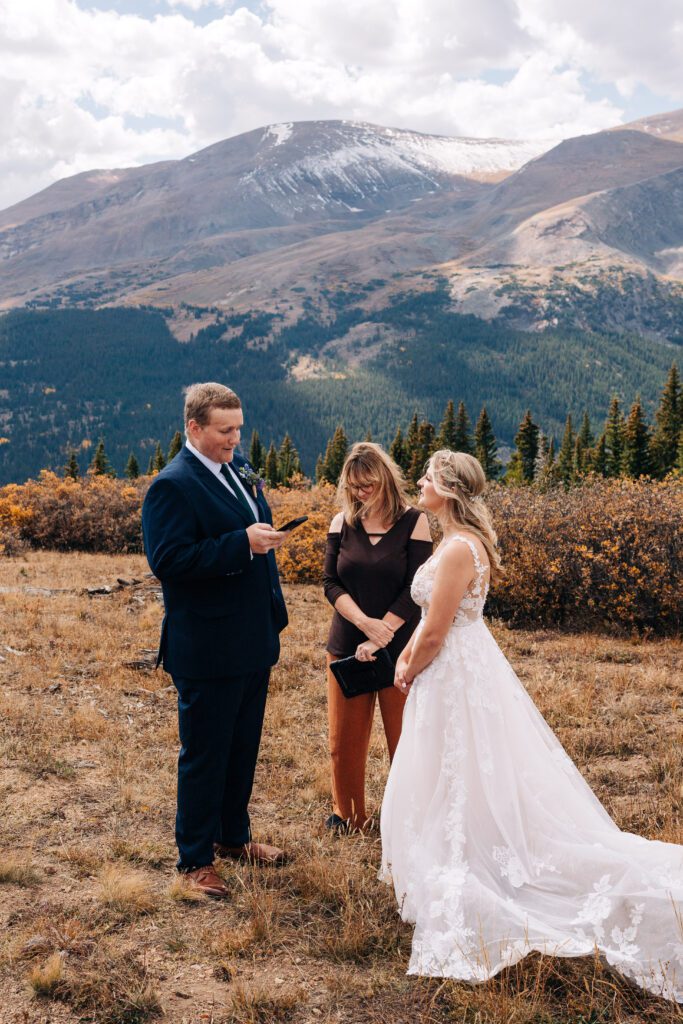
[(215, 468), (233, 482)]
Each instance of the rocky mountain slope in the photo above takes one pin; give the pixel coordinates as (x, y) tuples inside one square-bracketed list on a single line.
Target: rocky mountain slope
[(663, 126), (590, 209), (264, 190), (283, 217)]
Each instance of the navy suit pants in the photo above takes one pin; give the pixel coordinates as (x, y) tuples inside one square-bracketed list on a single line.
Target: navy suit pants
[(220, 722)]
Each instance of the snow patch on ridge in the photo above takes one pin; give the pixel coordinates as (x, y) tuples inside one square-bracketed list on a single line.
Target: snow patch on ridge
[(359, 158), (280, 132)]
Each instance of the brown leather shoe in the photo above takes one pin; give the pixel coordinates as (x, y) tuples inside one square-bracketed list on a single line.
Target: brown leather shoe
[(207, 881), (253, 853)]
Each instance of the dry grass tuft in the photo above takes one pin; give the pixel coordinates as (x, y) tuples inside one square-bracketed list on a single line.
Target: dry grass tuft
[(47, 979), (83, 860), (260, 1005), (111, 990), (126, 891), (183, 891), (18, 872)]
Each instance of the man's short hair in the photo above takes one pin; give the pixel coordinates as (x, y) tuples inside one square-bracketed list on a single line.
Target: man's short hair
[(200, 399)]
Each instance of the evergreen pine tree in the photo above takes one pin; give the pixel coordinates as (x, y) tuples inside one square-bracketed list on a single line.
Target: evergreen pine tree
[(132, 467), (614, 439), (637, 460), (271, 468), (485, 445), (545, 469), (541, 462), (669, 420), (257, 453), (424, 448), (368, 436), (446, 437), (541, 457), (398, 451), (99, 465), (150, 465), (462, 441), (585, 434), (426, 440), (551, 462), (580, 458), (582, 447), (319, 469), (565, 458), (521, 467), (597, 457), (158, 460), (335, 454), (410, 444), (288, 462), (175, 445), (72, 469)]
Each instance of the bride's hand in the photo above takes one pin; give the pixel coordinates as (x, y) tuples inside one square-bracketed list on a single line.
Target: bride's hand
[(400, 682), (366, 650)]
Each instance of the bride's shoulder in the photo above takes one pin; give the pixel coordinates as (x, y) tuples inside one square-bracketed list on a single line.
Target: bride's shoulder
[(462, 549)]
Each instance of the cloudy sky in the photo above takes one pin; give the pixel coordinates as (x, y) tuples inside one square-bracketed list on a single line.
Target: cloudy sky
[(106, 83)]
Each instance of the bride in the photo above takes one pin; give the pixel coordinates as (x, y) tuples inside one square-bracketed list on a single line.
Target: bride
[(494, 843)]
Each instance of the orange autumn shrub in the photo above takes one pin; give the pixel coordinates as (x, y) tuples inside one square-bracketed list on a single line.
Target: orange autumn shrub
[(14, 515), (97, 513), (608, 554), (300, 559)]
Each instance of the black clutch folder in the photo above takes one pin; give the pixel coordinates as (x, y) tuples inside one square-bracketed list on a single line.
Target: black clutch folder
[(356, 677)]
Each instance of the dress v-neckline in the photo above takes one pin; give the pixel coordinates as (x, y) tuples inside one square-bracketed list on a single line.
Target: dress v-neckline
[(380, 535)]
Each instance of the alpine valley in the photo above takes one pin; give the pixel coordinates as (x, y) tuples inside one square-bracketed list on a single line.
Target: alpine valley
[(332, 271)]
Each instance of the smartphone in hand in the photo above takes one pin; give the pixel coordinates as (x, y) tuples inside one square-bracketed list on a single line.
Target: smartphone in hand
[(292, 524)]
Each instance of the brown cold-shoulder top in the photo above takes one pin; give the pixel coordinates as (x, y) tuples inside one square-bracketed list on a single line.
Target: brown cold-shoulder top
[(377, 577)]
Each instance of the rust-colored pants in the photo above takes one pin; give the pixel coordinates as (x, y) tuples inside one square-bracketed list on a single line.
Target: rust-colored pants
[(350, 722)]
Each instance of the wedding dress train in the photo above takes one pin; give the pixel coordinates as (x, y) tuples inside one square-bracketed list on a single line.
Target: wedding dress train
[(495, 844)]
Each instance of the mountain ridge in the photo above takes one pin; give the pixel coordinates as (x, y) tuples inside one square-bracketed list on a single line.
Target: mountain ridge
[(275, 218), (313, 177)]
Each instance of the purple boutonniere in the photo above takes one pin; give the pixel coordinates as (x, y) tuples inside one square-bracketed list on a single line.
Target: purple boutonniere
[(248, 476)]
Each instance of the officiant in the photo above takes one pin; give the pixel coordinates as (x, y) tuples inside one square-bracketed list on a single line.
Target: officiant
[(375, 545)]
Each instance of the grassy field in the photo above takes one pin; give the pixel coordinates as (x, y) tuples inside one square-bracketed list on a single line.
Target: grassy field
[(94, 923)]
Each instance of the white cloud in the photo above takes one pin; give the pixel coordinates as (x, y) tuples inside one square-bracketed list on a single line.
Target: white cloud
[(640, 42), (92, 88)]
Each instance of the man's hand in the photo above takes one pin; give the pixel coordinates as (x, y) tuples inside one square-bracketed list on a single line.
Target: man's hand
[(263, 538), (376, 630), (366, 651)]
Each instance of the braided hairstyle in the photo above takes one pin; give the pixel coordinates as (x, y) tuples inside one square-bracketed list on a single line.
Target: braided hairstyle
[(459, 479)]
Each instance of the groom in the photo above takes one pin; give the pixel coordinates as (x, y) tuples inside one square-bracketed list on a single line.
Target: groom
[(209, 539)]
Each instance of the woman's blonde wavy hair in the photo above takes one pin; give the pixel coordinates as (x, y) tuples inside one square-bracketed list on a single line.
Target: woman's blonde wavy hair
[(460, 480), (369, 463)]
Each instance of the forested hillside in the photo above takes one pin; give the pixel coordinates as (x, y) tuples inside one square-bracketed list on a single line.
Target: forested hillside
[(68, 377)]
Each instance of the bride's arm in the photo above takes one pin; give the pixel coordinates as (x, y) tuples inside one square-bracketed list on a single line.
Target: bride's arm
[(453, 575)]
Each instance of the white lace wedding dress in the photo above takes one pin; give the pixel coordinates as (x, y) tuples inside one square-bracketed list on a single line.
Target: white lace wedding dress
[(495, 844)]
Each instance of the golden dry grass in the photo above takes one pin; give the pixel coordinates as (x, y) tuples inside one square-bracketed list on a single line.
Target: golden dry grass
[(94, 925)]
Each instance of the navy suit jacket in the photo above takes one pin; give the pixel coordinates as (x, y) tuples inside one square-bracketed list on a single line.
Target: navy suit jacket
[(224, 609)]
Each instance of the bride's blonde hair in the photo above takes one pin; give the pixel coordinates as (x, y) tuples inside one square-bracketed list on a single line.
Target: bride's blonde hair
[(460, 480)]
